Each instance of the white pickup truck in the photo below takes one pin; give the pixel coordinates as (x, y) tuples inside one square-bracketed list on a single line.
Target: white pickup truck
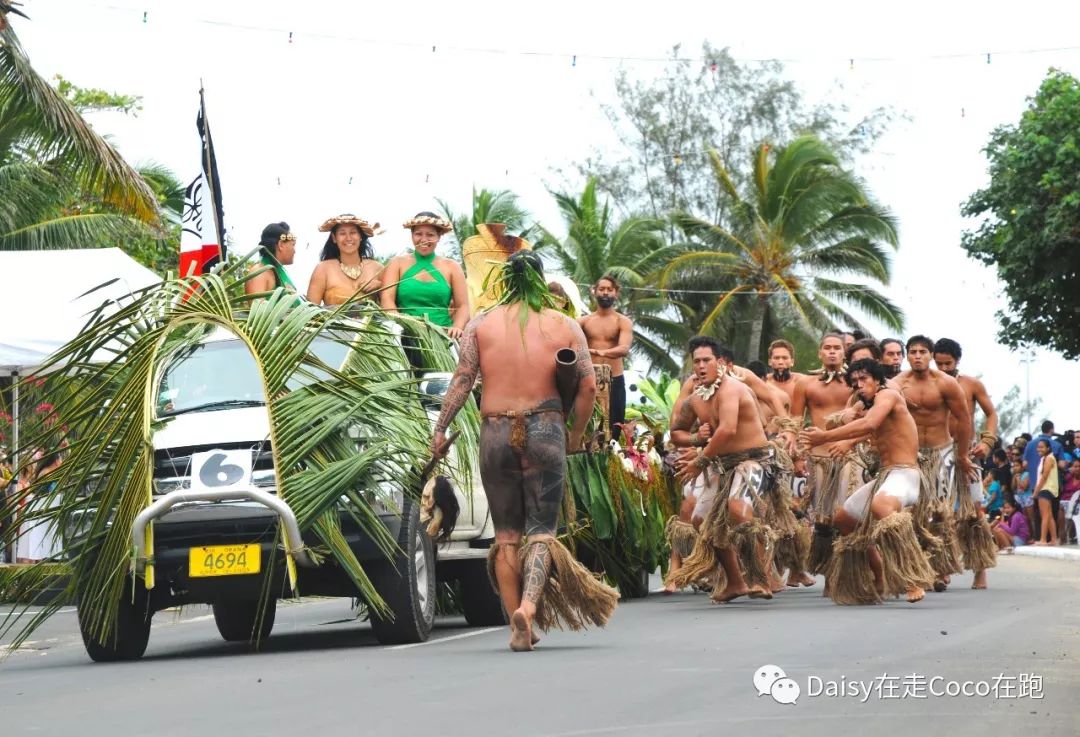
[(218, 540)]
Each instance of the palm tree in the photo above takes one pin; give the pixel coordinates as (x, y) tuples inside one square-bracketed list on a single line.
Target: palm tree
[(632, 250), (803, 230), (42, 209), (488, 206), (38, 125)]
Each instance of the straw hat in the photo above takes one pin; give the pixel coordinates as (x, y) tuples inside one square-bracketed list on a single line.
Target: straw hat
[(442, 225), (364, 226)]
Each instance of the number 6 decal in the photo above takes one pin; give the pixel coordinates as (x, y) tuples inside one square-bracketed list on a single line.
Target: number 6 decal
[(220, 469)]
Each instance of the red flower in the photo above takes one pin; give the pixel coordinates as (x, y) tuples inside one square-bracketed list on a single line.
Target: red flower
[(43, 408)]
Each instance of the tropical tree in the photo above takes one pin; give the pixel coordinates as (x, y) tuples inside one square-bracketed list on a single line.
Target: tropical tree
[(39, 124), (1029, 218), (804, 229), (633, 250), (488, 206), (661, 119)]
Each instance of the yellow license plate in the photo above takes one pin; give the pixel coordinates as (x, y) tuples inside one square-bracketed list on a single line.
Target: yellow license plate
[(224, 560)]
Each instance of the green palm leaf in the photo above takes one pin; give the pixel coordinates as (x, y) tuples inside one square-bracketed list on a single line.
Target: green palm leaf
[(40, 120), (102, 385)]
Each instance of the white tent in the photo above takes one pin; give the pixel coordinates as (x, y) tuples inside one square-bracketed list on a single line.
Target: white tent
[(41, 302), (44, 304)]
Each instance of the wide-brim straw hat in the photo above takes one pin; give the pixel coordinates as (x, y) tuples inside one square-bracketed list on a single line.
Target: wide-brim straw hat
[(442, 225), (362, 225)]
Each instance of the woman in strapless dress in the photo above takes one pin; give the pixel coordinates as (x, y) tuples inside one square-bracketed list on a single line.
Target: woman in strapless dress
[(347, 268)]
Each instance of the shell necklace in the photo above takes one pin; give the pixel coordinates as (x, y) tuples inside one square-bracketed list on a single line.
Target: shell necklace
[(353, 272)]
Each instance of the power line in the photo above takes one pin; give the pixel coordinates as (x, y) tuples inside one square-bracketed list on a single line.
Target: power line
[(749, 292), (290, 36)]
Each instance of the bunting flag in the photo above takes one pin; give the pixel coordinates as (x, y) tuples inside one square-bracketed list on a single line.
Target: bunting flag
[(202, 243)]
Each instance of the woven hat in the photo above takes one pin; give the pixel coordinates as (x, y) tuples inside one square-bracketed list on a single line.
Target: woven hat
[(442, 225), (364, 226)]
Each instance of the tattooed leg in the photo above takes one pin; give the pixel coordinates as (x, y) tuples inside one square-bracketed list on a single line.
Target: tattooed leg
[(507, 568), (535, 572)]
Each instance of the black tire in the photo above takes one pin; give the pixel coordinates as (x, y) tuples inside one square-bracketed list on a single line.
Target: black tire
[(237, 619), (637, 586), (130, 632), (480, 601), (408, 585)]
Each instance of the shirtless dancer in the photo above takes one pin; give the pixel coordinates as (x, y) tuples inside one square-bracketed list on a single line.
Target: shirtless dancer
[(947, 353), (739, 467), (892, 357), (610, 335), (772, 403), (681, 531), (523, 445), (892, 550), (936, 400), (822, 395), (781, 359)]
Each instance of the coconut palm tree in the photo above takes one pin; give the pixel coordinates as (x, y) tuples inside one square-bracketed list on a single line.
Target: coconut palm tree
[(42, 209), (633, 250), (805, 228), (38, 125)]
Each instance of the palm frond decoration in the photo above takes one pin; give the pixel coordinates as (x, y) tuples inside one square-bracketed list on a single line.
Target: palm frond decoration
[(342, 436)]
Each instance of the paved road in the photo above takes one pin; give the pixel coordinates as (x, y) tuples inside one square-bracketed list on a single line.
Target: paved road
[(667, 665)]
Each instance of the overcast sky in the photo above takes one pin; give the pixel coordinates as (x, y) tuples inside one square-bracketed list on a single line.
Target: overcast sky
[(358, 113)]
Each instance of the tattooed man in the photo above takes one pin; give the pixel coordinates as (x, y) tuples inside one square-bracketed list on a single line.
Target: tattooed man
[(523, 445)]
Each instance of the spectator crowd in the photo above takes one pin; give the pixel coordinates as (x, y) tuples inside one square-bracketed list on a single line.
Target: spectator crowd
[(1029, 486)]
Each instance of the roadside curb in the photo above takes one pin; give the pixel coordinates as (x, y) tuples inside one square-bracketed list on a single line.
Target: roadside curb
[(1057, 552)]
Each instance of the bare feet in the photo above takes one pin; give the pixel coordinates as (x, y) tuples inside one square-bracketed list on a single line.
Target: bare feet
[(980, 580), (729, 594), (669, 588), (915, 594), (800, 579), (760, 592), (940, 585), (521, 636)]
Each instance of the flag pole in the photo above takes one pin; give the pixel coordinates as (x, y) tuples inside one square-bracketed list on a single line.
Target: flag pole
[(211, 175)]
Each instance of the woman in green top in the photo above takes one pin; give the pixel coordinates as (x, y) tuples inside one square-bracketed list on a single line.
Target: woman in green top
[(422, 284), (277, 247)]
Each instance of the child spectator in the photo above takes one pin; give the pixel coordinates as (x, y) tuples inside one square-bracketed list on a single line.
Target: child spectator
[(1011, 530), (1022, 493)]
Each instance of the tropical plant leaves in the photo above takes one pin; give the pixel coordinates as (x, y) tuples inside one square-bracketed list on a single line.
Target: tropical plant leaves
[(103, 388)]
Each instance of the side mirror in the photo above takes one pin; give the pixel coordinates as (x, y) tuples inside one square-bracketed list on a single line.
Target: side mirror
[(435, 385)]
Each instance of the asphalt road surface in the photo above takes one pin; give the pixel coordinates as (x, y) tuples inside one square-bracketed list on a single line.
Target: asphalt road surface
[(667, 665)]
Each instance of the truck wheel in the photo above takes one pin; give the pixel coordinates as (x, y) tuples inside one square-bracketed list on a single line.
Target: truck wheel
[(245, 619), (636, 586), (479, 600), (130, 632), (407, 585)]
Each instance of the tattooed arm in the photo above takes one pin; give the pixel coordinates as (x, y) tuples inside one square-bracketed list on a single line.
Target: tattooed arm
[(461, 384), (682, 420), (586, 395)]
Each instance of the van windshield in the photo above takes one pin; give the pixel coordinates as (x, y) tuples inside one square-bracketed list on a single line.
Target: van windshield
[(223, 374)]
